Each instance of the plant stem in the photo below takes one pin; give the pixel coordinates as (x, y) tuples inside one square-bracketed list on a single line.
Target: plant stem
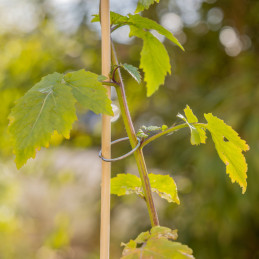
[(106, 134), (139, 157), (169, 130)]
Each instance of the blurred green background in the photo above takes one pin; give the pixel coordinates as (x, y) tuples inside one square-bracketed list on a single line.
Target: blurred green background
[(50, 208)]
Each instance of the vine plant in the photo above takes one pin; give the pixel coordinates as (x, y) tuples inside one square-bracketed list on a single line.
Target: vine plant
[(49, 107)]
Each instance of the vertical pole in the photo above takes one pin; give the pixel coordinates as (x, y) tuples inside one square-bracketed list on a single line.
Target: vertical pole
[(106, 135)]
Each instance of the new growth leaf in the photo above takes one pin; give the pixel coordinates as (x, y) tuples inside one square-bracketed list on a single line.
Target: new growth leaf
[(157, 243), (154, 59), (198, 133), (133, 71)]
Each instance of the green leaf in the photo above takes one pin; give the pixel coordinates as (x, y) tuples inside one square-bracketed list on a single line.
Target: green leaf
[(229, 147), (115, 18), (133, 71), (163, 185), (156, 244), (148, 24), (198, 133), (141, 23), (101, 78), (124, 184), (95, 18), (144, 4), (154, 60), (89, 92), (189, 115), (47, 107), (168, 233)]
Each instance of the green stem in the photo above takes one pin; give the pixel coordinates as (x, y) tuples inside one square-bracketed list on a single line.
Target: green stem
[(139, 157), (169, 130), (110, 83)]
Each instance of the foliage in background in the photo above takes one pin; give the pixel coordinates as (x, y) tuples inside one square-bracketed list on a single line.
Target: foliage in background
[(207, 79)]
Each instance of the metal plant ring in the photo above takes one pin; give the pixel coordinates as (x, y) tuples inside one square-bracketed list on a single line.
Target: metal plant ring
[(123, 156)]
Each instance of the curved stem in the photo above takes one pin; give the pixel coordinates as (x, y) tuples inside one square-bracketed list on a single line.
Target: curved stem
[(139, 157), (169, 130)]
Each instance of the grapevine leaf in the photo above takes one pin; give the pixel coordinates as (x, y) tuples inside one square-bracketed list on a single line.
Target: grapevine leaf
[(144, 4), (148, 24), (141, 23), (101, 78), (96, 18), (124, 184), (229, 147), (189, 115), (133, 71), (115, 18), (191, 118), (156, 244), (47, 107), (89, 92), (154, 59), (168, 233), (198, 134), (142, 237), (163, 185)]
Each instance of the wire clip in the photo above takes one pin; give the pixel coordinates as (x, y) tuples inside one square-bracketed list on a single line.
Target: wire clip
[(123, 156)]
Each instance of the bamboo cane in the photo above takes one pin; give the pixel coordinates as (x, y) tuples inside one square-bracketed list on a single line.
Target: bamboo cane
[(106, 135)]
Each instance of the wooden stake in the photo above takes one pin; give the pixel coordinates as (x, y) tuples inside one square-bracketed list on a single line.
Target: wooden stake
[(106, 135)]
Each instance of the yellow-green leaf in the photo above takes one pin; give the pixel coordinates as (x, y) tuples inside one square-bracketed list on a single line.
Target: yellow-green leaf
[(89, 92), (141, 23), (154, 59), (163, 185), (148, 24), (229, 147), (198, 134), (115, 18), (165, 232), (189, 115), (124, 184), (47, 107), (156, 244), (144, 4)]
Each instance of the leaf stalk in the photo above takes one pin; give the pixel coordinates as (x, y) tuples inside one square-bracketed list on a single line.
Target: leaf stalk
[(168, 131)]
